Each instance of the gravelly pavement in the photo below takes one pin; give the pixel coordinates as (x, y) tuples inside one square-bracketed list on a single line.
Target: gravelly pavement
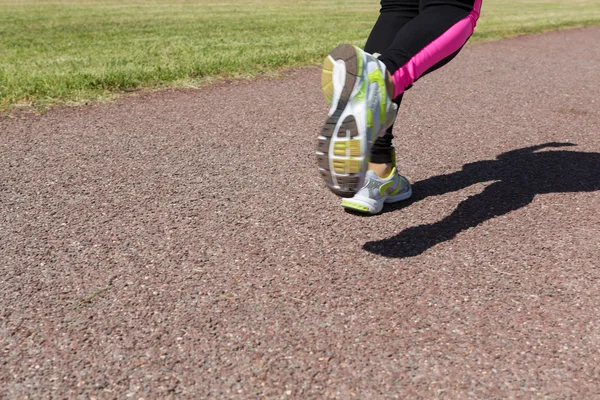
[(181, 244)]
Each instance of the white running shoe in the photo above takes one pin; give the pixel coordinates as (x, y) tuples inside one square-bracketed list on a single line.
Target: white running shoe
[(354, 84), (377, 191)]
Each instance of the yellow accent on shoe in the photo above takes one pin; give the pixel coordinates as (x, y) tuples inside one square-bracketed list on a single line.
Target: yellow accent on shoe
[(354, 146), (377, 76), (339, 166), (395, 192), (359, 60), (356, 207), (392, 172), (362, 93), (339, 148), (387, 185), (354, 166), (350, 166), (327, 79)]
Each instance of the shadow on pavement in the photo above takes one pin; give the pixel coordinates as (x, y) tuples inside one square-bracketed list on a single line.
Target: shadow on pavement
[(520, 174)]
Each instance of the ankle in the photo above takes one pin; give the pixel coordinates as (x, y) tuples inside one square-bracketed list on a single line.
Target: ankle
[(390, 85), (382, 170)]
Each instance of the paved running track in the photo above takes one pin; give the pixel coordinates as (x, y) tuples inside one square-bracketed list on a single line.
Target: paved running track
[(181, 244)]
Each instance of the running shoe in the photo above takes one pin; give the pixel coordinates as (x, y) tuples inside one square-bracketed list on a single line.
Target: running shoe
[(354, 84), (377, 191)]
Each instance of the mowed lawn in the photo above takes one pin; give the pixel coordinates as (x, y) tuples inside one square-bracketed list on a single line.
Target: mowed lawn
[(54, 51)]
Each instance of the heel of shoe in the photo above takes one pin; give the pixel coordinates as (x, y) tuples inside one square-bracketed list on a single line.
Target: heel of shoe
[(339, 73)]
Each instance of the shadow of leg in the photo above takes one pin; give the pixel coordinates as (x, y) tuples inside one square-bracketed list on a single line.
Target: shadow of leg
[(497, 199), (471, 174)]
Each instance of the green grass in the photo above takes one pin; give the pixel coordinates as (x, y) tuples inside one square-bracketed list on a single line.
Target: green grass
[(54, 52)]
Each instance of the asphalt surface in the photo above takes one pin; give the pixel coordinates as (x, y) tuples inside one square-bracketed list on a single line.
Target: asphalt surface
[(181, 244)]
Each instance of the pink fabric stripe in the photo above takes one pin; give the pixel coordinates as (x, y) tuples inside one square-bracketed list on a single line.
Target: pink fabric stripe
[(442, 47)]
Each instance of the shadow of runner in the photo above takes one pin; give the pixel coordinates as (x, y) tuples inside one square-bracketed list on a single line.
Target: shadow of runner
[(521, 175)]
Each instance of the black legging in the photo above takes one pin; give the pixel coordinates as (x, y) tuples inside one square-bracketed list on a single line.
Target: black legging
[(414, 38)]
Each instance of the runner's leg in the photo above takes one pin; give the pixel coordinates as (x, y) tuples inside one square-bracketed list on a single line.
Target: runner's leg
[(394, 14), (422, 43)]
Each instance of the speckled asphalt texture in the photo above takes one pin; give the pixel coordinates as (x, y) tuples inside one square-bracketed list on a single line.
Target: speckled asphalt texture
[(182, 244)]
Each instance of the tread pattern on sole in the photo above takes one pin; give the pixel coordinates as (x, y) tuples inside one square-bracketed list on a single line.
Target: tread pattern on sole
[(347, 166), (346, 160)]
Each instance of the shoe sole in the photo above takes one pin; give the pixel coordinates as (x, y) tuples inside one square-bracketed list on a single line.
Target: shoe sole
[(359, 206), (366, 208), (342, 148)]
